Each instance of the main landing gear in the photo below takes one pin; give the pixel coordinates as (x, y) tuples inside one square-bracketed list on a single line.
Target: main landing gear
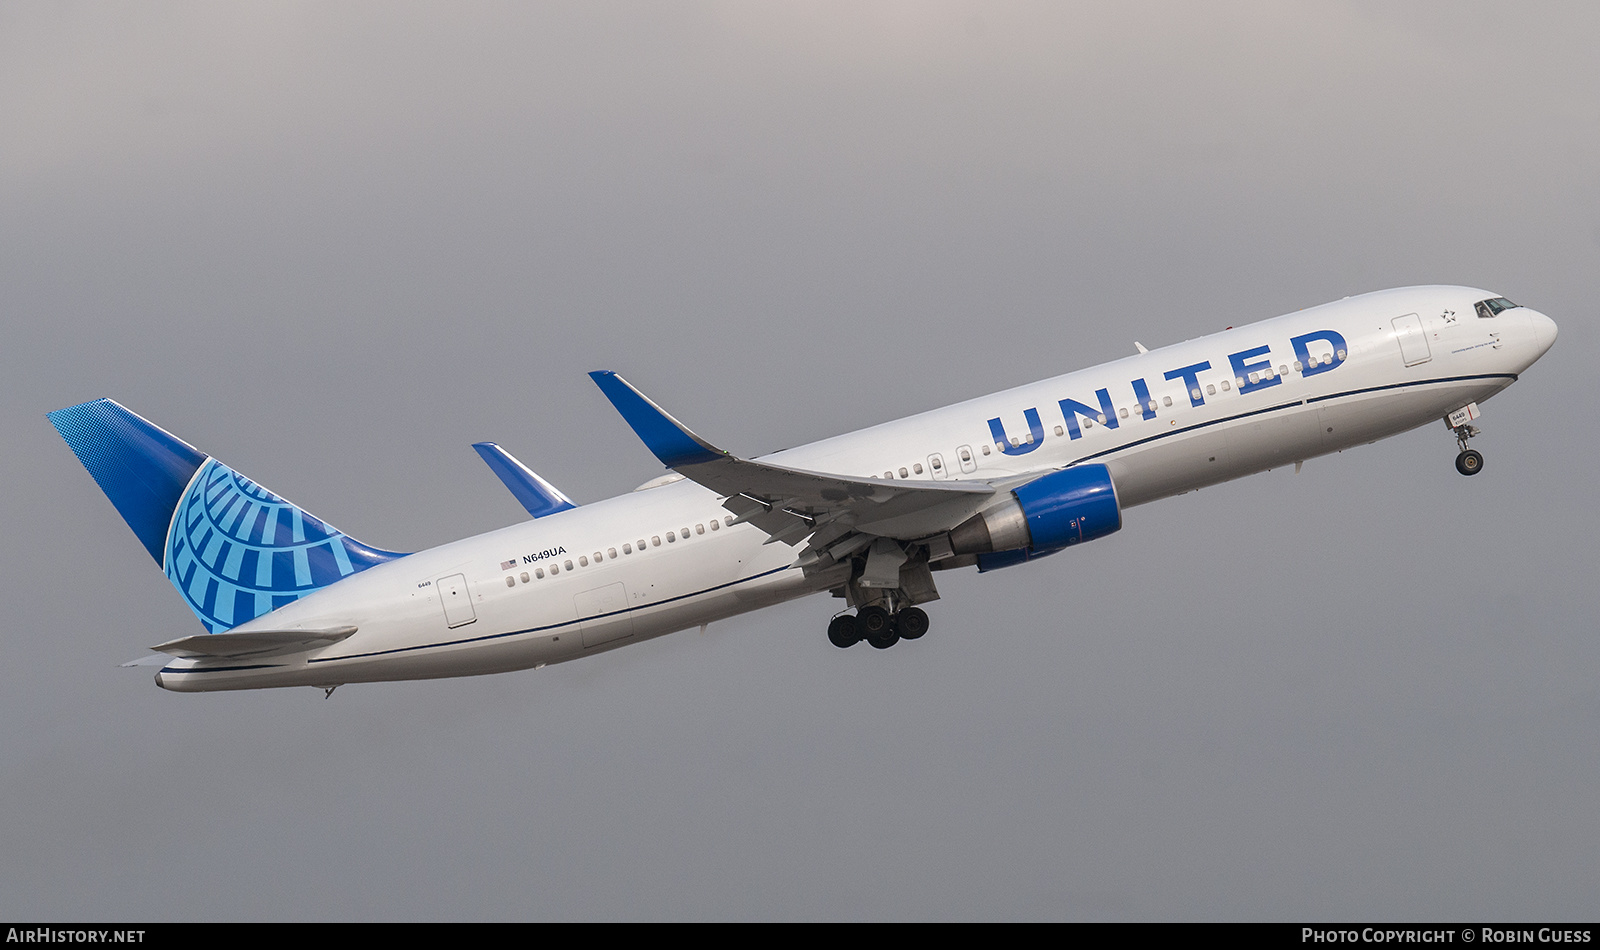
[(878, 627)]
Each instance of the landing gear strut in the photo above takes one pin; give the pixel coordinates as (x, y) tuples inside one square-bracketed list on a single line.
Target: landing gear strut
[(1470, 461), (877, 626)]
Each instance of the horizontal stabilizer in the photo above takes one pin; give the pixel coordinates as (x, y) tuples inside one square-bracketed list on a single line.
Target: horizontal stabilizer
[(254, 643), (534, 493), (789, 504)]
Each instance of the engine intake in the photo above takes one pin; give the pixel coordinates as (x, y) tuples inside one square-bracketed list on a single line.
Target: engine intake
[(1061, 509)]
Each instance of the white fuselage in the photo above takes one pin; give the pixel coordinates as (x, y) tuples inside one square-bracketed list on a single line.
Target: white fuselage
[(664, 558)]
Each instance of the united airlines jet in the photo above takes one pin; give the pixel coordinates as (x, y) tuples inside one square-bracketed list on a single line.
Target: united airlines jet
[(288, 600)]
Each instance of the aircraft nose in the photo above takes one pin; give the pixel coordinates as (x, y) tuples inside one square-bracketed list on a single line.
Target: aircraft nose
[(1544, 331)]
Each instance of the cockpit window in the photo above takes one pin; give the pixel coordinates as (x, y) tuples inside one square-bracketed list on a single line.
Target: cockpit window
[(1492, 307)]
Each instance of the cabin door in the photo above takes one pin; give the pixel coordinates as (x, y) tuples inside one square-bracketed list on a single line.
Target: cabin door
[(1413, 342), (456, 599), (603, 614)]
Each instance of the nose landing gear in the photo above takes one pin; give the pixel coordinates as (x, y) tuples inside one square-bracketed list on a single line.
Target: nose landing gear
[(1470, 461), (878, 627)]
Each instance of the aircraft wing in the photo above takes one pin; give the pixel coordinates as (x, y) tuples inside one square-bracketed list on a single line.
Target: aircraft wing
[(839, 512)]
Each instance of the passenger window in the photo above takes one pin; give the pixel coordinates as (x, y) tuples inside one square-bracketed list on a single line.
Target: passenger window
[(1340, 355), (916, 467), (627, 549), (524, 577), (1282, 370), (986, 449), (671, 537), (728, 521), (597, 557), (1166, 400), (714, 525), (1210, 390), (966, 455), (538, 572), (1298, 366), (1224, 385), (684, 533), (567, 565), (1194, 393), (583, 561), (511, 582), (1123, 413), (641, 544), (904, 474), (655, 539), (1060, 431), (699, 529), (611, 553)]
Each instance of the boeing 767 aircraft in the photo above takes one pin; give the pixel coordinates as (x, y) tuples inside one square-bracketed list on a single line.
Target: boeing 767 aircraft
[(288, 600)]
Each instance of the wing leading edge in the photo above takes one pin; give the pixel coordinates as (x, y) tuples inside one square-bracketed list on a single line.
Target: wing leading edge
[(838, 512)]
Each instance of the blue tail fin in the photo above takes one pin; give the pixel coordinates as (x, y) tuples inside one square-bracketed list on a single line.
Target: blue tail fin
[(233, 549)]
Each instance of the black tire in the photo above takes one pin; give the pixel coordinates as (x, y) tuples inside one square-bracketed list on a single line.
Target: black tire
[(873, 621), (911, 622), (1469, 462), (842, 632), (885, 640)]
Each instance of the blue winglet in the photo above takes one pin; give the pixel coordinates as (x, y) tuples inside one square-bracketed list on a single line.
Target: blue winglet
[(535, 494), (665, 436)]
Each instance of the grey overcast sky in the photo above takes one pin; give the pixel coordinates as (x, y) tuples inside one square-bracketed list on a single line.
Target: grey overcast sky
[(334, 243)]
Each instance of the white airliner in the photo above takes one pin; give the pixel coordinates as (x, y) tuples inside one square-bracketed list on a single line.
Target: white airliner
[(287, 600)]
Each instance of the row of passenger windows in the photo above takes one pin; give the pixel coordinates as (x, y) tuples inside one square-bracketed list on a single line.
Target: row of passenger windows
[(611, 553), (1166, 402)]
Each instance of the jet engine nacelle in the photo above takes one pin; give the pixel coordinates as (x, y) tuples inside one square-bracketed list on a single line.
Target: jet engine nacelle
[(1047, 514)]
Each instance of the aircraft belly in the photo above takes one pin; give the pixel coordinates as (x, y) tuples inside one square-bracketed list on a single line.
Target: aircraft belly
[(1210, 455)]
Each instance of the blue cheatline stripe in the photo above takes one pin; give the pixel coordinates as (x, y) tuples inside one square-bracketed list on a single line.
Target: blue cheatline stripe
[(224, 669), (556, 626), (499, 636), (1286, 405)]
